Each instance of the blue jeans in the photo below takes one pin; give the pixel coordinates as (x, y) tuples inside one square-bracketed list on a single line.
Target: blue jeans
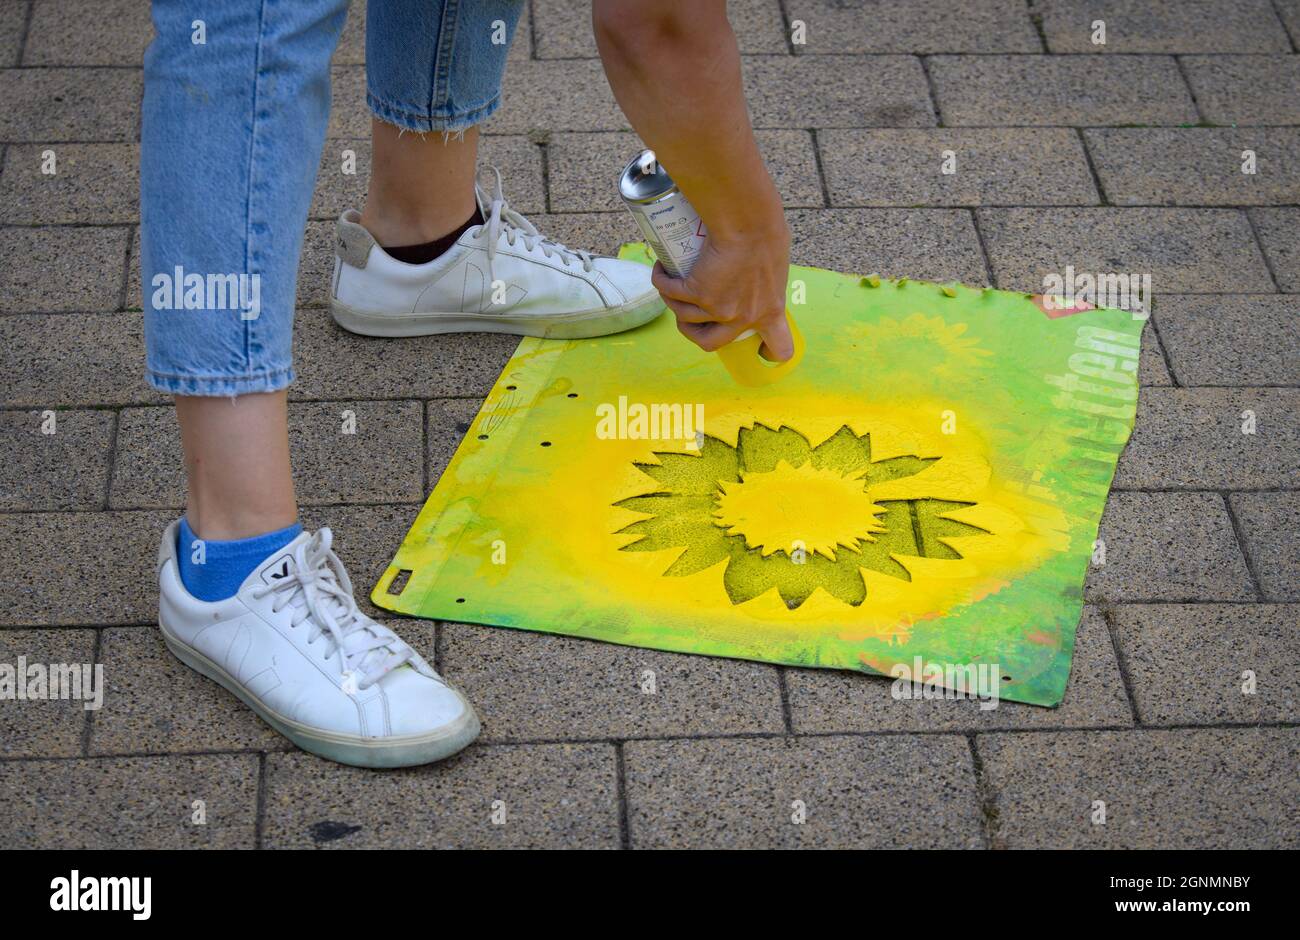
[(230, 143)]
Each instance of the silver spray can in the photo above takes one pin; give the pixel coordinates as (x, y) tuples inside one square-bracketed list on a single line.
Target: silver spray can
[(672, 228)]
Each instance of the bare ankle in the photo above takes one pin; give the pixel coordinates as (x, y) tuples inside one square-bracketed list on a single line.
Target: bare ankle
[(226, 526)]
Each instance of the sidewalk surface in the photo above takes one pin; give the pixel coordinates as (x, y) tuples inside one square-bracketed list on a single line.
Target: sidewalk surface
[(1118, 158)]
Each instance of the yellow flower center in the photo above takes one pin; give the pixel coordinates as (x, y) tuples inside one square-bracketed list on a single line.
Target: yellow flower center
[(797, 507)]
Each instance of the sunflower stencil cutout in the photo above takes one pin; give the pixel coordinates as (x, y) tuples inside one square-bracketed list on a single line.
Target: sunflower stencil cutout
[(782, 513)]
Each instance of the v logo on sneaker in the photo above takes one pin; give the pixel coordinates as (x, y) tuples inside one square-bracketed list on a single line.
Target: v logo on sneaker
[(277, 569), (478, 294)]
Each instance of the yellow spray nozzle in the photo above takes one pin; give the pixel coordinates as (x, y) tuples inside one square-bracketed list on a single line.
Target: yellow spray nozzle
[(748, 368)]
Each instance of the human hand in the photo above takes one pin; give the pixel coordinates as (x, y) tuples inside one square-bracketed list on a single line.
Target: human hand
[(737, 284)]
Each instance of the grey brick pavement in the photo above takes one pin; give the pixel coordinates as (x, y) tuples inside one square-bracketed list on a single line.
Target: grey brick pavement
[(1125, 157)]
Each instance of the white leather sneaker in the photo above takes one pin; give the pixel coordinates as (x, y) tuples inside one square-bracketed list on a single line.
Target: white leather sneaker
[(294, 647), (503, 276)]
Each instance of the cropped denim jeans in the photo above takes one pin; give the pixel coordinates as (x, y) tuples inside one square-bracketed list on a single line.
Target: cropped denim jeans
[(236, 102)]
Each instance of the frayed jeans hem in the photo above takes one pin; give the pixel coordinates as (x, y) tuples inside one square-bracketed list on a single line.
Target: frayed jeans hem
[(422, 122)]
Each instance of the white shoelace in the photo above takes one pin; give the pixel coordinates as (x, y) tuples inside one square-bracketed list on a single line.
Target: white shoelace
[(321, 592), (501, 219)]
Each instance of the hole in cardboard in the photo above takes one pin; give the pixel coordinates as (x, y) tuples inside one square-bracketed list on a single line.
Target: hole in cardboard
[(399, 582)]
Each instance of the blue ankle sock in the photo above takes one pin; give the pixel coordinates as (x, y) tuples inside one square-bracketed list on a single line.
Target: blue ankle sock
[(225, 564)]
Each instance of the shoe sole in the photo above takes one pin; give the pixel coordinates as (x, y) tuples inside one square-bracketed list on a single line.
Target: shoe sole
[(583, 325), (404, 751)]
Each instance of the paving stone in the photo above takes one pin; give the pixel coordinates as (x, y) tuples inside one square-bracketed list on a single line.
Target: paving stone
[(520, 163), (351, 49), (521, 44), (71, 360), (830, 700), (379, 460), (48, 726), (129, 803), (927, 244), (549, 796), (337, 190), (541, 98), (50, 105), (1187, 662), (1240, 340), (1246, 89), (1156, 26), (95, 183), (1289, 11), (918, 27), (65, 469), (315, 267), (562, 28), (888, 791), (583, 169), (1270, 524), (518, 159), (992, 167), (599, 690), (1209, 788), (349, 114), (366, 538), (1196, 438), (1277, 228), (759, 26), (1182, 250), (1168, 547), (79, 568), (1151, 361), (154, 704), (837, 91), (88, 32), (44, 270), (1059, 90), (332, 362), (446, 423), (13, 16), (1197, 166), (134, 294)]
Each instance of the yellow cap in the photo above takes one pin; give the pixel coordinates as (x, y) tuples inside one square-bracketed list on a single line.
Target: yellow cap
[(748, 368)]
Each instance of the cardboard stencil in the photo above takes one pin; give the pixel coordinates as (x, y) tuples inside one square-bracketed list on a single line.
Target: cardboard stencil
[(922, 493)]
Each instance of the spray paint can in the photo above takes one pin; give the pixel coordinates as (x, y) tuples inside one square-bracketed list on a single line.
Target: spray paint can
[(675, 232), (671, 226)]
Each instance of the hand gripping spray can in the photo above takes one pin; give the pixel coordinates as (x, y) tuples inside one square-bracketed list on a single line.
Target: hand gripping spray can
[(675, 232)]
